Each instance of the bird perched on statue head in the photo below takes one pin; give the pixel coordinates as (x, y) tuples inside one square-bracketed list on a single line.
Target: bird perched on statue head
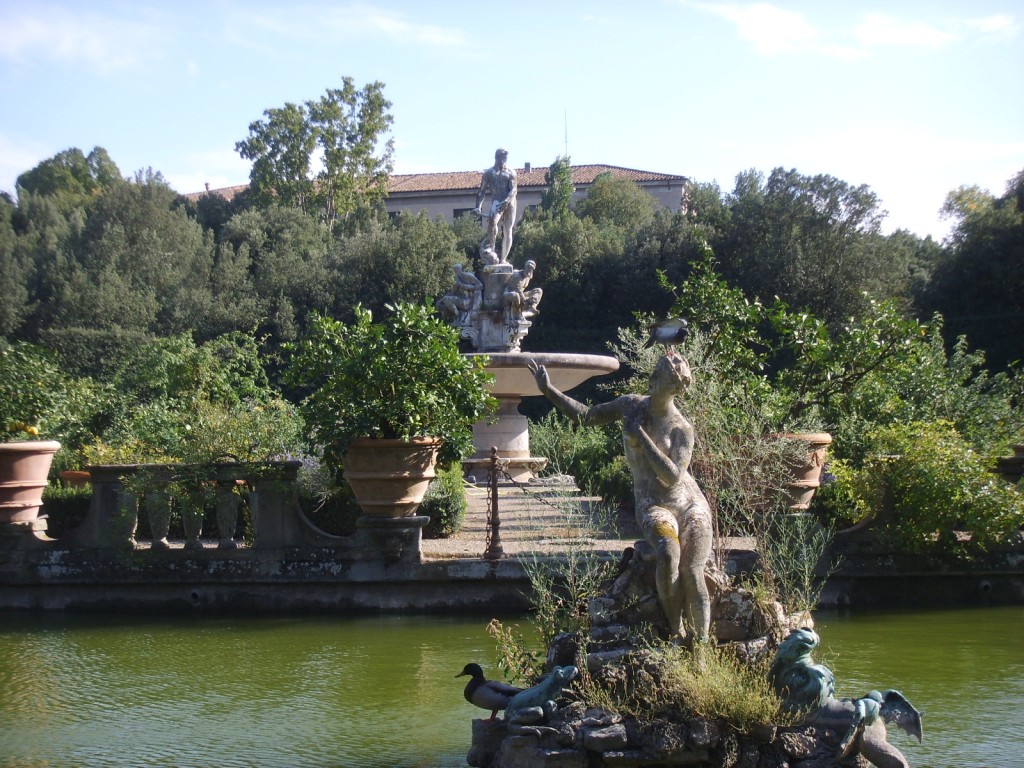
[(484, 693), (669, 332)]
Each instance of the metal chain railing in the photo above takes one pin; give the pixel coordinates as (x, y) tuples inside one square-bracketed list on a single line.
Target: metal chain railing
[(498, 466)]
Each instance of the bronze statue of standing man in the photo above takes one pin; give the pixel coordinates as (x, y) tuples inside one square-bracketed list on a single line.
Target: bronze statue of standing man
[(499, 182), (671, 509)]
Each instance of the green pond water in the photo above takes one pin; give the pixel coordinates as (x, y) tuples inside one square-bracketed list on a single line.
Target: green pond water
[(84, 692)]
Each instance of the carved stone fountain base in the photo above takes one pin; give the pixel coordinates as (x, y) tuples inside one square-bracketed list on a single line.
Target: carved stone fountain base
[(513, 381)]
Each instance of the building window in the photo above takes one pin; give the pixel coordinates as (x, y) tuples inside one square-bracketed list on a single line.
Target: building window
[(456, 212)]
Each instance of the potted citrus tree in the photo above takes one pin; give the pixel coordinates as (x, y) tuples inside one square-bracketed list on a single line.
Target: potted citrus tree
[(27, 398), (387, 400)]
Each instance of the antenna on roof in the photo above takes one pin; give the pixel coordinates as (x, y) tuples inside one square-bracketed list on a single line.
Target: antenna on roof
[(566, 120)]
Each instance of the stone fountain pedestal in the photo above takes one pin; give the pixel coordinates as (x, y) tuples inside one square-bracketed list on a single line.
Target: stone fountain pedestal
[(513, 381)]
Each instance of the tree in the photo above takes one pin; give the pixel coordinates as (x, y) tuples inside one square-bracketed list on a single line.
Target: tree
[(557, 198), (348, 124), (574, 257), (281, 148), (814, 241), (979, 287), (71, 176), (345, 126), (13, 274), (286, 252), (409, 260), (619, 201)]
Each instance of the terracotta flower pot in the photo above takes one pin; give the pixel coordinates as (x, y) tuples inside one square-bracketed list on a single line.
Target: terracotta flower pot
[(75, 478), (390, 477), (24, 467), (806, 476)]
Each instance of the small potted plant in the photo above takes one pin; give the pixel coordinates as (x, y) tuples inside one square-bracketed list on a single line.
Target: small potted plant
[(387, 400), (27, 397)]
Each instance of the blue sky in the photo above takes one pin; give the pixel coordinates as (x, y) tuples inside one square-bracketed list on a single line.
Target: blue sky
[(913, 99)]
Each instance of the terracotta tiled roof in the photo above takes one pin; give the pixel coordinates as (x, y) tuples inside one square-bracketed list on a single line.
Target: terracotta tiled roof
[(460, 181), (470, 180), (228, 193)]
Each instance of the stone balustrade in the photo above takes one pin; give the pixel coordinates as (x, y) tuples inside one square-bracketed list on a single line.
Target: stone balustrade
[(122, 492)]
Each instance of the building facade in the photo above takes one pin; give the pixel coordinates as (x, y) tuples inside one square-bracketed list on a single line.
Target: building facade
[(449, 194)]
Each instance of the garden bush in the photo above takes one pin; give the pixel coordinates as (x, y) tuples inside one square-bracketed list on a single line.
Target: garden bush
[(65, 508), (587, 453), (444, 503), (934, 492)]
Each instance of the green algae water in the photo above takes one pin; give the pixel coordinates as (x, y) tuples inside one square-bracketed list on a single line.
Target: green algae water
[(963, 668), (91, 692), (214, 693)]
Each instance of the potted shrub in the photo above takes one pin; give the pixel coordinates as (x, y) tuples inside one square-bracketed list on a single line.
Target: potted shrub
[(28, 395), (387, 399)]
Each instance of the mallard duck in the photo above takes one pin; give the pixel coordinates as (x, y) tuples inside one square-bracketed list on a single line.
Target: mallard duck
[(484, 693), (669, 332)]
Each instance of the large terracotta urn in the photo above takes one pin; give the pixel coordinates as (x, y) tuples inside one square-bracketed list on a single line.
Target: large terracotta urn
[(805, 475), (24, 467), (390, 477)]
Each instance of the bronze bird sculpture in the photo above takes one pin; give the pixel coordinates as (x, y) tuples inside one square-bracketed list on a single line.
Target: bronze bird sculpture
[(484, 693)]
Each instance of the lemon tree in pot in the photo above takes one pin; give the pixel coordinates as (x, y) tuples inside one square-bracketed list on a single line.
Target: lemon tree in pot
[(385, 400), (29, 394)]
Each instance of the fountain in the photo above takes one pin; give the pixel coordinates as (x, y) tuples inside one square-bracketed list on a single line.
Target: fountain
[(495, 313)]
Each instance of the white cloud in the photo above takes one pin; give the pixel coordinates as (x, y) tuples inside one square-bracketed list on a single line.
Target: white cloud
[(356, 21), (879, 29), (101, 43), (998, 25), (770, 29)]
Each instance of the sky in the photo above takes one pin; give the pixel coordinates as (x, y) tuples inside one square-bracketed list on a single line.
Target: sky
[(913, 99)]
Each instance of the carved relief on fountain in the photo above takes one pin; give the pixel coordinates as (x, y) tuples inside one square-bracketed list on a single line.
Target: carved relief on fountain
[(493, 311)]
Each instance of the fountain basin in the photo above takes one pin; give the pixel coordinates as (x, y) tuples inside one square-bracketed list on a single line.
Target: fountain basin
[(566, 370)]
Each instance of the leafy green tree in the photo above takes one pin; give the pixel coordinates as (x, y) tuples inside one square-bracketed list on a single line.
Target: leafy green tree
[(979, 287), (38, 398), (349, 124), (814, 241), (466, 229), (574, 258), (409, 260), (617, 201), (227, 370), (557, 198), (140, 264), (926, 382), (213, 211), (281, 148), (398, 378), (46, 241), (929, 486), (346, 126), (182, 401), (71, 175), (14, 273), (285, 252), (704, 205)]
